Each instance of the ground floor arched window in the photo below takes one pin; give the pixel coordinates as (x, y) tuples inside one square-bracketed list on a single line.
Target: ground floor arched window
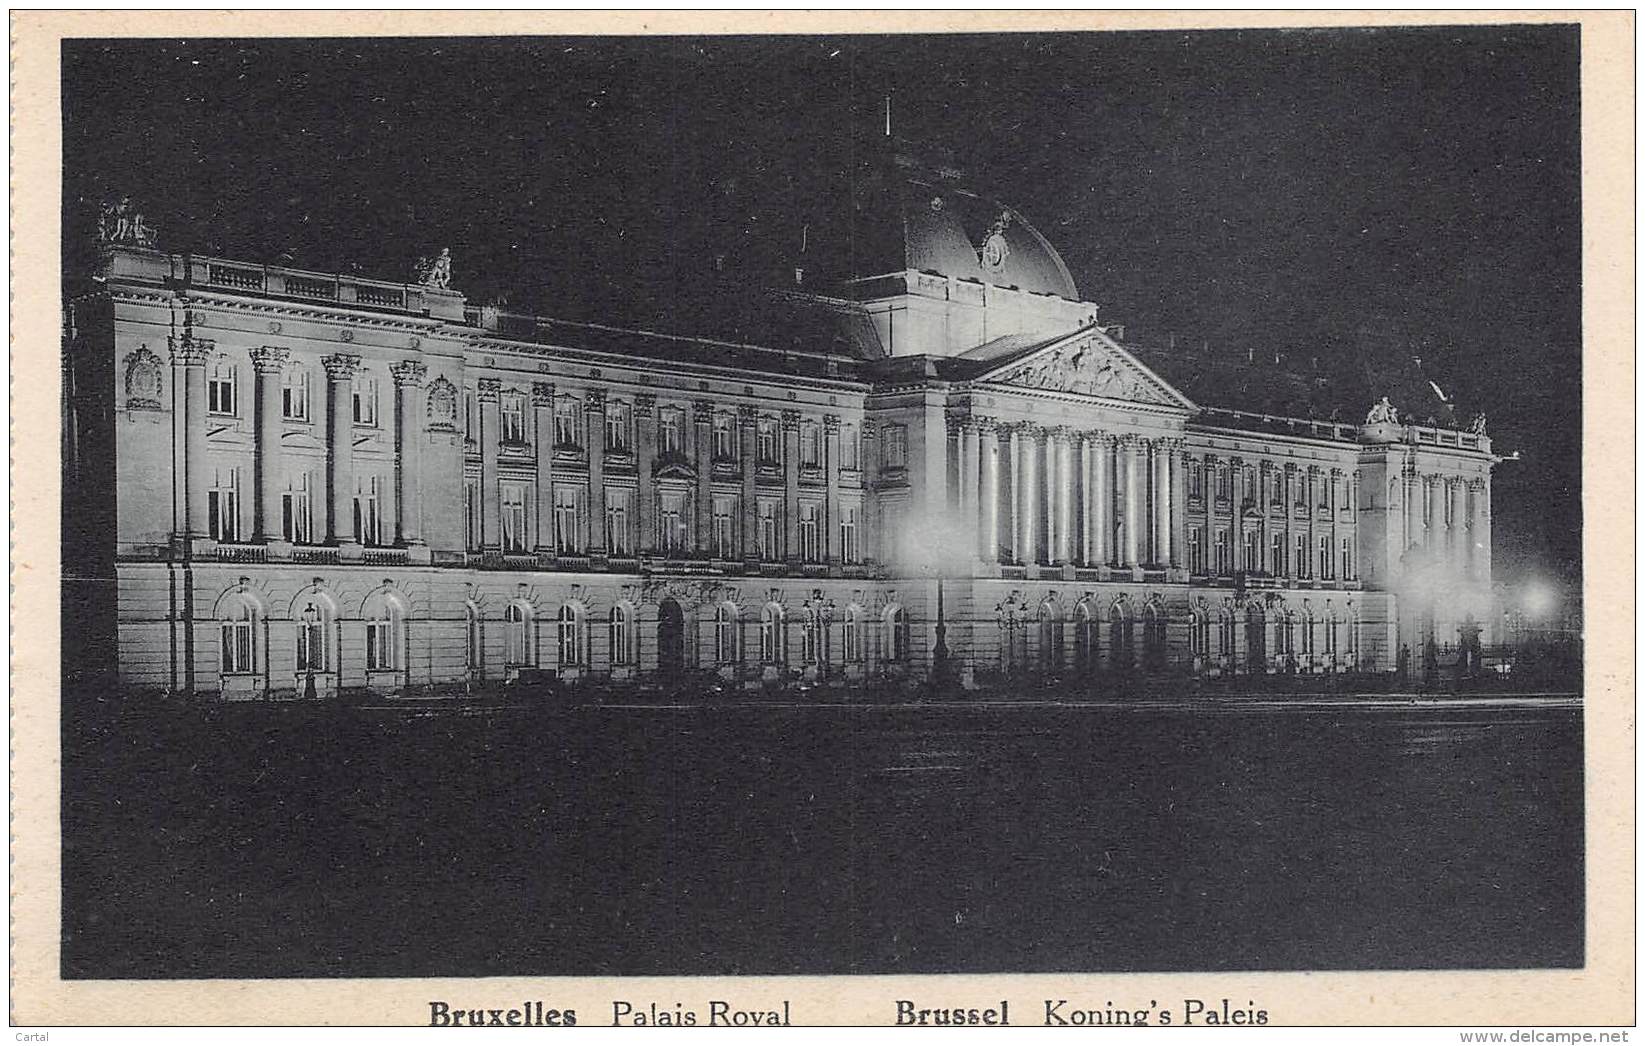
[(1121, 639), (384, 620), (517, 634), (1050, 637), (622, 635), (313, 637), (474, 639), (851, 634), (1153, 638), (239, 636), (1200, 636), (725, 634), (571, 634), (896, 624), (771, 624)]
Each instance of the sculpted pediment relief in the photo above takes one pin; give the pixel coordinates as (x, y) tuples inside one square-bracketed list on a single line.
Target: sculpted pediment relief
[(1090, 366)]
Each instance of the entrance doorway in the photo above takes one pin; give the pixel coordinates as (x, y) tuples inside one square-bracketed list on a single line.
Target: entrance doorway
[(670, 637)]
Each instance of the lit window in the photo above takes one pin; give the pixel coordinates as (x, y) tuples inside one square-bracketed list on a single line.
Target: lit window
[(850, 447), (516, 634), (513, 517), (725, 634), (725, 437), (1347, 559), (896, 621), (766, 440), (1277, 552), (1325, 557), (673, 524), (222, 387), (382, 639), (368, 522), (568, 422), (808, 532), (617, 516), (570, 633), (848, 534), (810, 444), (768, 530), (1300, 561), (771, 620), (895, 438), (1196, 550), (223, 504), (671, 432), (294, 386), (513, 417), (1196, 483), (722, 527), (240, 638), (296, 511), (365, 399), (1253, 552), (567, 515), (618, 427), (1224, 566), (622, 637)]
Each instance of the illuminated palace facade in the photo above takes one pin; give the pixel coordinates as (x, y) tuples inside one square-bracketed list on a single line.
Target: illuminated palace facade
[(278, 480)]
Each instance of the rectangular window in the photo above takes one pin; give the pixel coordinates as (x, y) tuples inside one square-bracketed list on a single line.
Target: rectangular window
[(617, 516), (725, 437), (672, 533), (294, 393), (1196, 483), (896, 446), (808, 533), (722, 527), (471, 515), (238, 647), (768, 530), (471, 427), (311, 645), (811, 444), (1347, 559), (1224, 483), (1253, 553), (365, 400), (1224, 566), (765, 433), (296, 511), (1325, 557), (379, 645), (1196, 550), (1300, 560), (567, 512), (849, 551), (671, 432), (221, 389), (568, 422), (367, 511), (513, 417), (1325, 485), (618, 426), (1276, 550), (223, 504), (850, 447), (513, 518)]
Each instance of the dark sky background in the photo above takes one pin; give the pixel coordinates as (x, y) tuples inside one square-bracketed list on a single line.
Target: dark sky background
[(1292, 190)]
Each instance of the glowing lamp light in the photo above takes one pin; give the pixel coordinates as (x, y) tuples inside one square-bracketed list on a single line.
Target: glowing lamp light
[(1538, 599)]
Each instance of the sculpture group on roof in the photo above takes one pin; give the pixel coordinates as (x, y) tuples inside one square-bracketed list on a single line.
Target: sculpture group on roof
[(1383, 413), (434, 272), (119, 221)]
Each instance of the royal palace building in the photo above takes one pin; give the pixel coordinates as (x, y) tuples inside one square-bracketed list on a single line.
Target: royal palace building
[(280, 482)]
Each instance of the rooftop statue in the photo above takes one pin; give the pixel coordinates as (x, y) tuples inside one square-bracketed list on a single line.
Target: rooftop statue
[(121, 222), (1383, 413), (1477, 426), (434, 272)]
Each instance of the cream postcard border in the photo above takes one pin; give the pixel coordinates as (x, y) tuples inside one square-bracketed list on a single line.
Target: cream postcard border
[(1603, 993)]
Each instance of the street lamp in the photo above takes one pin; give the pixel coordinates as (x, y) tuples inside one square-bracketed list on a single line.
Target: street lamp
[(311, 621), (934, 544)]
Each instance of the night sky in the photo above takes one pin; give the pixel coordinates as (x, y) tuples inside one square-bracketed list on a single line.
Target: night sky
[(1277, 190)]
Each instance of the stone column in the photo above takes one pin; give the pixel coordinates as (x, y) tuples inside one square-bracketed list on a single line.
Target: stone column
[(1131, 452), (408, 430), (1179, 502), (702, 413), (747, 420), (832, 553), (340, 368), (967, 467), (988, 468), (542, 422), (269, 363), (867, 530), (1480, 526), (1236, 510), (645, 465), (193, 353), (595, 415), (1026, 487), (1063, 487), (489, 392), (1164, 553), (1458, 534), (1103, 493), (791, 485)]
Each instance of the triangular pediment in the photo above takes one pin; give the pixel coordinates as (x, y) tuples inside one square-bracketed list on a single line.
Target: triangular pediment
[(1088, 363)]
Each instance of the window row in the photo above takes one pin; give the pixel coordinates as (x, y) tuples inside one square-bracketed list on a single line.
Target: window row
[(227, 508), (1281, 487), (297, 392), (1327, 564)]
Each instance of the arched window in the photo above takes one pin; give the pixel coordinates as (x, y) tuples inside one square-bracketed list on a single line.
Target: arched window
[(1331, 634), (382, 634), (572, 636), (1153, 637), (1121, 637), (1225, 633), (1084, 637), (851, 633), (475, 642), (239, 624), (896, 625), (517, 634), (1200, 636), (622, 636), (811, 638), (771, 640), (1050, 637), (1308, 633), (313, 633), (725, 634)]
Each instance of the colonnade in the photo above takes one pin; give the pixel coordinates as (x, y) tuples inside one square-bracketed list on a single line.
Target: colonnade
[(1058, 495), (1450, 516)]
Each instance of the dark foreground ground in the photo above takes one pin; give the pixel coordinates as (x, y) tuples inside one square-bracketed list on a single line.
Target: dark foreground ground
[(290, 841)]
